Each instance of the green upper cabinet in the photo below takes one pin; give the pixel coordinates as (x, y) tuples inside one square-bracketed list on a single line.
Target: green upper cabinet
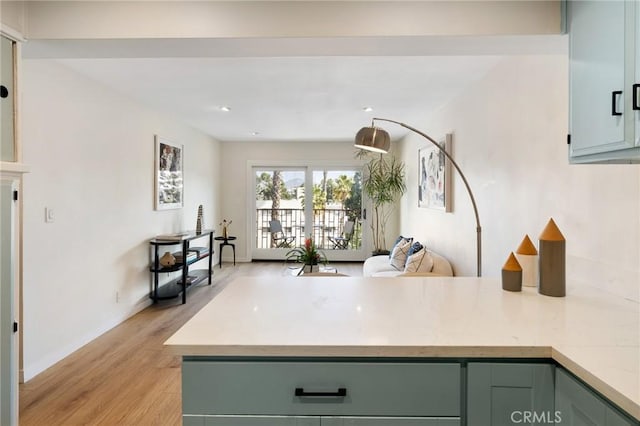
[(7, 140), (604, 103)]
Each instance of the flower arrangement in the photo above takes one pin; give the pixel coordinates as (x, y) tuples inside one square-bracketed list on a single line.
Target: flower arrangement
[(225, 226), (307, 254)]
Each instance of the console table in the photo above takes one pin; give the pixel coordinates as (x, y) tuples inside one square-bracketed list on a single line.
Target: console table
[(187, 278)]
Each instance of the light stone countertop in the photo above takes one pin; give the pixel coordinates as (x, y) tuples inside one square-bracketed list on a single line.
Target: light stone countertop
[(591, 333)]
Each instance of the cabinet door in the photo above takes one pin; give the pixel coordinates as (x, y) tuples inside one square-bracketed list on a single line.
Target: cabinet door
[(7, 141), (614, 418), (596, 73), (389, 421), (577, 405), (502, 394), (8, 342), (634, 9)]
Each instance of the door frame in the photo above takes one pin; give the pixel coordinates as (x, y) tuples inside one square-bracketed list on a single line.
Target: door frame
[(308, 166)]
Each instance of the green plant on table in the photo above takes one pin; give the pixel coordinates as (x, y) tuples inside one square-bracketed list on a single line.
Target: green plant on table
[(307, 254)]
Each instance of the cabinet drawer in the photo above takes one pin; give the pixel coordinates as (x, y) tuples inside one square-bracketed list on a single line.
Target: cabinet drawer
[(306, 388), (316, 421), (250, 421), (390, 421)]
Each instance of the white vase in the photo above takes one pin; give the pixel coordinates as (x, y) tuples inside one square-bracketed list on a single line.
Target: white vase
[(527, 256), (529, 265)]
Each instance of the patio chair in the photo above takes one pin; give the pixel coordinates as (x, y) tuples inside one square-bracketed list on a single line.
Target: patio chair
[(280, 240), (342, 242)]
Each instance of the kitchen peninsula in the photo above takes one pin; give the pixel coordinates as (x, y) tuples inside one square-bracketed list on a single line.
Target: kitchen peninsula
[(445, 329)]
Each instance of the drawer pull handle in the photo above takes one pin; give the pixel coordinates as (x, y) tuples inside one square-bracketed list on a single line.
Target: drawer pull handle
[(636, 105), (614, 98), (341, 393)]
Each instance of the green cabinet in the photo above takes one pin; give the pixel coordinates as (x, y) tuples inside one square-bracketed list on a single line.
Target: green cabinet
[(632, 42), (315, 421), (250, 421), (604, 102), (400, 392), (577, 405), (8, 312), (7, 100), (321, 393), (10, 227), (388, 421), (415, 389), (509, 393)]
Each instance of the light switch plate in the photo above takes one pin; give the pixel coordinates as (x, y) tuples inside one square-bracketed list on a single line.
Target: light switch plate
[(49, 215)]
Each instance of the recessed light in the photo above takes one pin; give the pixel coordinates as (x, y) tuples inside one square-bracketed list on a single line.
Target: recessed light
[(255, 133), (225, 108), (367, 109)]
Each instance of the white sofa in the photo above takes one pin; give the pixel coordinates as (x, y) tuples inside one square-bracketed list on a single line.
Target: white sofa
[(379, 266)]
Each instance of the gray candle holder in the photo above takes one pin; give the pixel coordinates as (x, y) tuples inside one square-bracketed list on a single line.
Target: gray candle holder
[(512, 274), (552, 264)]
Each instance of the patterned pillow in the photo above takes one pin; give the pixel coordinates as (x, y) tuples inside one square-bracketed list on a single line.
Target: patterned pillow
[(399, 254), (415, 247), (420, 261), (399, 240)]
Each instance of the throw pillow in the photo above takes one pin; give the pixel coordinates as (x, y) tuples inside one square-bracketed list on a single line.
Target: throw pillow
[(420, 261), (415, 247), (399, 254), (399, 240)]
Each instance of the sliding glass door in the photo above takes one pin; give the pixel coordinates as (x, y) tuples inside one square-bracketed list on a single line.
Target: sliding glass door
[(294, 203)]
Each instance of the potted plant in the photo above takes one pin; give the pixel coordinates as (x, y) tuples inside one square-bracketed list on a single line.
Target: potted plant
[(384, 184), (308, 255)]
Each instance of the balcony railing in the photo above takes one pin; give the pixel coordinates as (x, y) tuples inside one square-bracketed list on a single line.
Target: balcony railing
[(326, 223)]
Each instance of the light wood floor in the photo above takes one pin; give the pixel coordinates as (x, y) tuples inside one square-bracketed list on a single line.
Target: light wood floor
[(126, 376)]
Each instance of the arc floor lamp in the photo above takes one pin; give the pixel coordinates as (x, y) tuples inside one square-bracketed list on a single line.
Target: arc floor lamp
[(377, 140)]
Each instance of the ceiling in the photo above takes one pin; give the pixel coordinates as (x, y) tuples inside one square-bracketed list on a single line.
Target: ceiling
[(291, 89)]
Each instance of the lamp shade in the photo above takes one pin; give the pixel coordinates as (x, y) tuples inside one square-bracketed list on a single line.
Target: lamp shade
[(373, 139)]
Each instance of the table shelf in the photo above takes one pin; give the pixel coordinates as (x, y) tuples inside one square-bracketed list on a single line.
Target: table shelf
[(174, 288), (187, 279), (177, 266)]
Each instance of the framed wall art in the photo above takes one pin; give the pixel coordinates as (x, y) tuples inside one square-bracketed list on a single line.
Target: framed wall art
[(169, 186), (434, 182)]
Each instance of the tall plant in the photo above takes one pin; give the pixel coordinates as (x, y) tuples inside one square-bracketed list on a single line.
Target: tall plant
[(384, 184)]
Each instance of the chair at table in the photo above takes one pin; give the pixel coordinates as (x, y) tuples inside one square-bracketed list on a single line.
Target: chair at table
[(278, 237), (342, 242)]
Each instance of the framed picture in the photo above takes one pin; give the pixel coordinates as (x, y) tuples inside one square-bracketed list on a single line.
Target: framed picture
[(169, 175), (434, 186)]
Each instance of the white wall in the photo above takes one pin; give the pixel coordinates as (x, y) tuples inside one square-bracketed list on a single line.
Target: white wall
[(237, 158), (91, 155), (12, 13), (184, 19), (510, 140)]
